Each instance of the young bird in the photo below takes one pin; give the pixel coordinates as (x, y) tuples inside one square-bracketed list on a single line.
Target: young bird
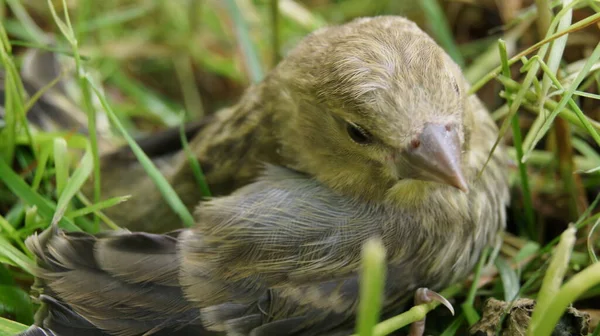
[(378, 138), (351, 94)]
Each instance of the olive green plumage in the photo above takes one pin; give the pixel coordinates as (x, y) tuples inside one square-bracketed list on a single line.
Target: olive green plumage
[(385, 75), (372, 134)]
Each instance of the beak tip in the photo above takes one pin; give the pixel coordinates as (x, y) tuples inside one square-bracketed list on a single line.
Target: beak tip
[(463, 188), (461, 184)]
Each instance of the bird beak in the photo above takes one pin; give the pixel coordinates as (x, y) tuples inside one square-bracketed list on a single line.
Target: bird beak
[(435, 155)]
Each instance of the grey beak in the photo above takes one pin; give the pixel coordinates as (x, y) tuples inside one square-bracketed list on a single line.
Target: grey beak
[(436, 156)]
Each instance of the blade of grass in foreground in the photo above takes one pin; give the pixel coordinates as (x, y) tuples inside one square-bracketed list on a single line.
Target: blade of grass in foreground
[(510, 280), (10, 328), (46, 207), (162, 184), (14, 104), (98, 206), (584, 121), (17, 257), (575, 27), (416, 313), (518, 144), (80, 175), (569, 292), (593, 58), (590, 242), (8, 231), (61, 164), (569, 115), (196, 169), (67, 30), (552, 280), (371, 286), (468, 306)]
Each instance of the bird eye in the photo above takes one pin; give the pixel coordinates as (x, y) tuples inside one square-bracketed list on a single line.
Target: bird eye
[(358, 134)]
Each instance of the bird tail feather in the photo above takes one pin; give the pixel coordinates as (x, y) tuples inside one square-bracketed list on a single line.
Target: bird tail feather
[(114, 283)]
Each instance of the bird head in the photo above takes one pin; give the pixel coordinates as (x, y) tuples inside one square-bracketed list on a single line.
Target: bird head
[(374, 104)]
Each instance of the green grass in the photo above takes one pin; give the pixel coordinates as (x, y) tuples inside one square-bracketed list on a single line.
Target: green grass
[(140, 76)]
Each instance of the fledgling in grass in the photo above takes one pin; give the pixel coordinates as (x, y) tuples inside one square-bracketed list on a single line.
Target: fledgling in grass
[(369, 133)]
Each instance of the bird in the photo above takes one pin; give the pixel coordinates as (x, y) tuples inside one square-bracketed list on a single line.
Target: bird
[(232, 144), (373, 135)]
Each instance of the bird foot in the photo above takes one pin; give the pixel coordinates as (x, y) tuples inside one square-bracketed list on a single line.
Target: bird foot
[(424, 295)]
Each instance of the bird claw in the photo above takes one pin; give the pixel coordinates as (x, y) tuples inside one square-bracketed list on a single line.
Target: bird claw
[(425, 295)]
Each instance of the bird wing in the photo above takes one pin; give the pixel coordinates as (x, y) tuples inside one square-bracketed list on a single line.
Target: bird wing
[(278, 257), (120, 282), (280, 250), (285, 229)]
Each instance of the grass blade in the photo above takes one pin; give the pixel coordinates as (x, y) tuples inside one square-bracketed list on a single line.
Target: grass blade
[(590, 20), (97, 206), (162, 184), (441, 29), (527, 198), (46, 207), (510, 280), (469, 305), (574, 288), (371, 286), (591, 243), (61, 164), (10, 328), (67, 30), (17, 257), (416, 313), (565, 99), (80, 175), (16, 302), (552, 281), (246, 44), (196, 168)]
